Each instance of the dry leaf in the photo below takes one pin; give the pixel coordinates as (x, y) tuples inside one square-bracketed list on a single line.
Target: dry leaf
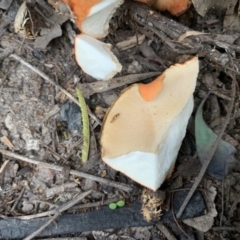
[(204, 223), (7, 142), (28, 22), (203, 6), (223, 158), (232, 19), (190, 33)]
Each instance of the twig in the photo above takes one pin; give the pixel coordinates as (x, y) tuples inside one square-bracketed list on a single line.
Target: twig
[(111, 183), (176, 221), (165, 231), (57, 213), (45, 77), (95, 204), (211, 153), (50, 192), (74, 208), (89, 89), (18, 199), (3, 169)]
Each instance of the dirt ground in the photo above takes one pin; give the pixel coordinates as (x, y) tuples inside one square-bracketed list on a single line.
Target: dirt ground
[(38, 121)]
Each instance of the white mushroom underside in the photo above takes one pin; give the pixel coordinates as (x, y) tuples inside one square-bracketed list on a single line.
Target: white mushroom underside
[(95, 58), (97, 22), (149, 169)]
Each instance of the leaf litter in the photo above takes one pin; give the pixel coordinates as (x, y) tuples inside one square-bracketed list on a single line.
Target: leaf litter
[(27, 102), (223, 159)]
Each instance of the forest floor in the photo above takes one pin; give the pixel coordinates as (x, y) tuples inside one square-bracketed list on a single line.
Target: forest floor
[(40, 125)]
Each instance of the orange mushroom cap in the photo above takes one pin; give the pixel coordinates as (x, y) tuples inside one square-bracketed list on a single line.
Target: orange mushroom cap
[(175, 7), (92, 16), (144, 128)]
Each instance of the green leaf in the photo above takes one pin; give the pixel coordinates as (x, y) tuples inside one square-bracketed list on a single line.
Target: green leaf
[(120, 203), (205, 138), (112, 206), (85, 127)]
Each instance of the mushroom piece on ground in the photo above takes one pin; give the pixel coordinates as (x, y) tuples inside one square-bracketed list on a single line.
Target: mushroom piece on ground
[(96, 58), (144, 128), (93, 16), (175, 7)]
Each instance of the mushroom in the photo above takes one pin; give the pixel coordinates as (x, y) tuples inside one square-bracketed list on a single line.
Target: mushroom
[(175, 7), (92, 18), (144, 128), (95, 57)]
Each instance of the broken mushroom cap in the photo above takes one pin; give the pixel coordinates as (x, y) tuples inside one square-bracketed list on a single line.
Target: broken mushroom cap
[(95, 57), (93, 16), (175, 7), (144, 128)]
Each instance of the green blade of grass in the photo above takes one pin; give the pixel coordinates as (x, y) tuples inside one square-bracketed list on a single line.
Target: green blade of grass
[(85, 125)]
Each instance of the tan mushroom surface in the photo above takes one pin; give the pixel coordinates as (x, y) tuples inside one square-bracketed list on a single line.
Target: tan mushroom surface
[(175, 7), (144, 128)]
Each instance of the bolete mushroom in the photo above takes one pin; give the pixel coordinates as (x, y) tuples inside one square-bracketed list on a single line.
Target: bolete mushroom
[(144, 128), (175, 7), (96, 58), (92, 18)]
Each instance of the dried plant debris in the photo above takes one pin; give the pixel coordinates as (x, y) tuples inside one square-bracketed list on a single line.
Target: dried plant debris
[(223, 159), (28, 22), (130, 42), (196, 206), (232, 17), (31, 123), (205, 222), (228, 9), (151, 204), (203, 6)]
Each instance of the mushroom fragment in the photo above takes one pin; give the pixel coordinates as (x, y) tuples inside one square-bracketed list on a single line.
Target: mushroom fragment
[(92, 18), (144, 128), (175, 7), (95, 57)]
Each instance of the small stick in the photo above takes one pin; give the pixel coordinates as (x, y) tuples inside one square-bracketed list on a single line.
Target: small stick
[(74, 208), (50, 192), (111, 183), (45, 77), (57, 213), (176, 221), (89, 89), (3, 169), (211, 153), (167, 233), (18, 199)]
